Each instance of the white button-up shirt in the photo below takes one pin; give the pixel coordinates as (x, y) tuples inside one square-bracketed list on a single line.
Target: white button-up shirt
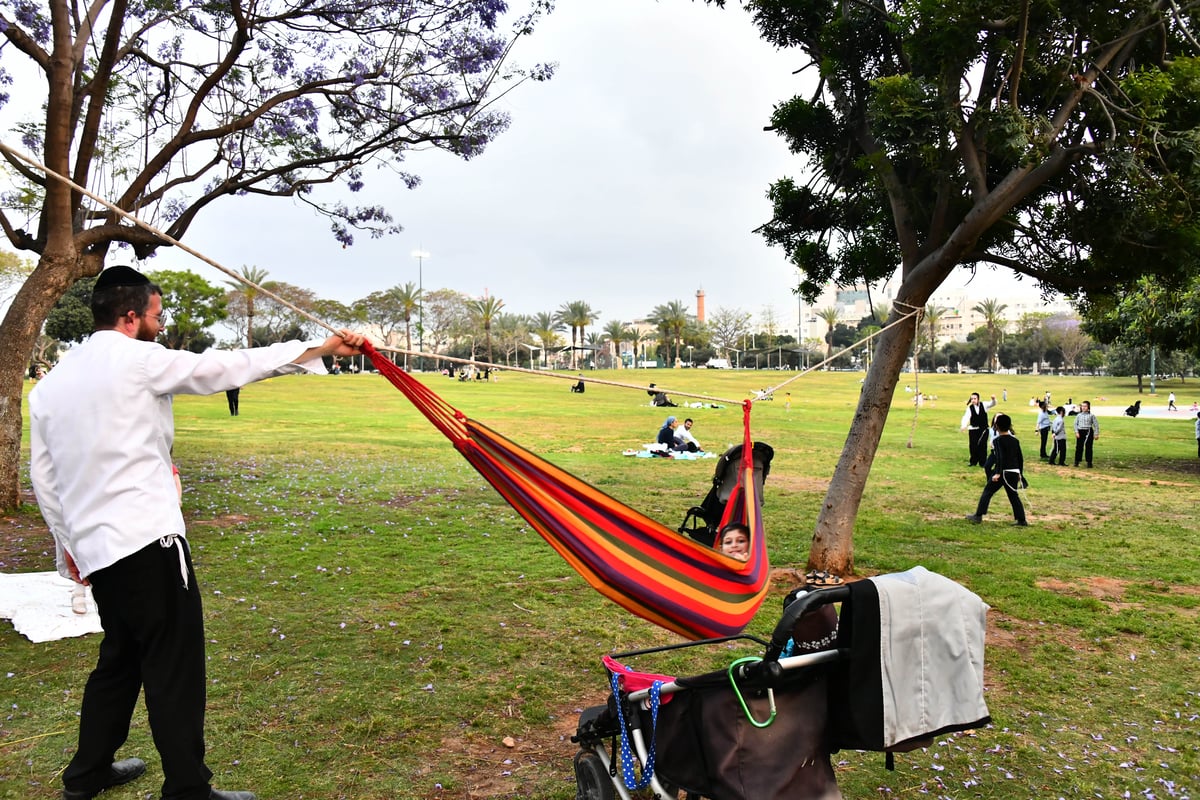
[(101, 430)]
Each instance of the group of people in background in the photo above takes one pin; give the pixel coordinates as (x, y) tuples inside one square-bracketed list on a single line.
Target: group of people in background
[(997, 450)]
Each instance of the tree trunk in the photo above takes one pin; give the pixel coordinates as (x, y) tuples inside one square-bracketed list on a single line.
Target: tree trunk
[(833, 541), (19, 331), (407, 341)]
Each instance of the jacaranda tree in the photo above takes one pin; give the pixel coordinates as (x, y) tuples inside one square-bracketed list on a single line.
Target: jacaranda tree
[(1058, 141), (167, 107)]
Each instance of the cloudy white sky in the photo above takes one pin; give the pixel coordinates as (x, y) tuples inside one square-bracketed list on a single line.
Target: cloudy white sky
[(635, 177)]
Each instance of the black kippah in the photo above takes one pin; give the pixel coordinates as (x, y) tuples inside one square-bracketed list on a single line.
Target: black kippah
[(120, 275)]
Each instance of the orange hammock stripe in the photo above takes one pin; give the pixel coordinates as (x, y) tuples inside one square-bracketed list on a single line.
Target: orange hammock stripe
[(642, 566)]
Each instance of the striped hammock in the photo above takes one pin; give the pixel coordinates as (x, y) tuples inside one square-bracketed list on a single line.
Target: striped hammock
[(642, 566)]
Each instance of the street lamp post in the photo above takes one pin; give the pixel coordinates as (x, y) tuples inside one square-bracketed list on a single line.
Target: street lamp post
[(420, 256)]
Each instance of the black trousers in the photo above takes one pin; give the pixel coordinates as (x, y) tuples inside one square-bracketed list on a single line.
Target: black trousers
[(1014, 499), (1045, 433), (153, 640), (232, 396), (1083, 446), (977, 441), (1059, 454)]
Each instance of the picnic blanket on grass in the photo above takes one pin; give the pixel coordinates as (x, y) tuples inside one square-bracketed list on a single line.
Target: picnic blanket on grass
[(39, 605)]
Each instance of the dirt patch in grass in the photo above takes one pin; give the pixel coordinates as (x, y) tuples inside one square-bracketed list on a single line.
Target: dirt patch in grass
[(1181, 467), (1110, 591), (491, 768), (1023, 636), (798, 483), (1173, 588)]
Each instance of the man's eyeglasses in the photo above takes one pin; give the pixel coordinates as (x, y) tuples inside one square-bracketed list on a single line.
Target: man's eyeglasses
[(161, 318)]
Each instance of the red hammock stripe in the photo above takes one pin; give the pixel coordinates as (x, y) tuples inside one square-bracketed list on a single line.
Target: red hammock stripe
[(643, 566)]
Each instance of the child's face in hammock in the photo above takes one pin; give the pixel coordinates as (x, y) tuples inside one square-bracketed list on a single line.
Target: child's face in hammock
[(736, 544)]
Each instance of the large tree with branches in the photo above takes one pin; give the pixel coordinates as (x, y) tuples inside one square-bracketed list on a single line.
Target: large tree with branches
[(166, 108), (1057, 141)]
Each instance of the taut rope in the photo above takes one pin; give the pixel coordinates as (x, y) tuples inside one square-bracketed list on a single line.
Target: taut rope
[(243, 279)]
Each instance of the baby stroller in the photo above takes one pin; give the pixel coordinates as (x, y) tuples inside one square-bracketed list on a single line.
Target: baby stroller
[(763, 728), (702, 521)]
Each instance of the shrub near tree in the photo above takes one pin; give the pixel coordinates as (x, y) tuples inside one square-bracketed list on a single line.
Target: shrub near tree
[(193, 306)]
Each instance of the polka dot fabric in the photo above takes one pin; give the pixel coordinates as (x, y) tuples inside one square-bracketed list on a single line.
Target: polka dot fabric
[(627, 760)]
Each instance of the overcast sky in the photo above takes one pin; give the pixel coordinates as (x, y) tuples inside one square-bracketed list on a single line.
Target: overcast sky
[(635, 177)]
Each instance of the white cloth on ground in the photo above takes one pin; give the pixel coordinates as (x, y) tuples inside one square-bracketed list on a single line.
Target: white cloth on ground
[(39, 606)]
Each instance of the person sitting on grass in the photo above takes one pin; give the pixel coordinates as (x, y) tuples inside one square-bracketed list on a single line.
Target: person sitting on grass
[(684, 437), (666, 435), (659, 397)]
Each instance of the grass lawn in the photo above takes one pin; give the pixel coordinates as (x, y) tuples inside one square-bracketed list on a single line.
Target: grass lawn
[(383, 626)]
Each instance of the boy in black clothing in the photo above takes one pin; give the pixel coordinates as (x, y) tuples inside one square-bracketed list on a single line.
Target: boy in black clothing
[(1006, 468)]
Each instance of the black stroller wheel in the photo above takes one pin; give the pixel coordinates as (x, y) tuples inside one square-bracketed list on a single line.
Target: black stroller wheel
[(591, 778)]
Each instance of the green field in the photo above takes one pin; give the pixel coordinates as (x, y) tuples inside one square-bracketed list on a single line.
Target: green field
[(379, 620)]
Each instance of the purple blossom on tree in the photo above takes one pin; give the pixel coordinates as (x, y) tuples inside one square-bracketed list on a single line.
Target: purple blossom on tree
[(229, 99)]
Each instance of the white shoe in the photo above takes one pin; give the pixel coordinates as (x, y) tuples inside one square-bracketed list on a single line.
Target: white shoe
[(79, 599)]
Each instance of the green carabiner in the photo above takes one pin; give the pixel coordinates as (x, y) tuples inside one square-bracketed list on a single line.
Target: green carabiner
[(738, 693)]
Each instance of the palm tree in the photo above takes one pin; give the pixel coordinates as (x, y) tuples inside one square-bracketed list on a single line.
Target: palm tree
[(388, 309), (991, 310), (830, 316), (253, 275), (545, 326), (595, 342), (577, 314), (408, 297), (933, 319), (641, 337), (485, 312), (881, 311), (616, 333), (671, 319)]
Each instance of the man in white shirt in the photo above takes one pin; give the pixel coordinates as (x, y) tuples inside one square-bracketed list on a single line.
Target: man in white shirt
[(975, 423), (683, 435), (101, 431)]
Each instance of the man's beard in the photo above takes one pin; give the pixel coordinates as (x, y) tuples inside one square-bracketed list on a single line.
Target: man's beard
[(144, 334)]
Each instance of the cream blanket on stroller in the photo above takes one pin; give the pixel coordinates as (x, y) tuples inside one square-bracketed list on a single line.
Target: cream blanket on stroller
[(931, 654)]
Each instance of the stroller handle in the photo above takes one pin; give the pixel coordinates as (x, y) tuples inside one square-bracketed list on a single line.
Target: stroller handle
[(798, 608)]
